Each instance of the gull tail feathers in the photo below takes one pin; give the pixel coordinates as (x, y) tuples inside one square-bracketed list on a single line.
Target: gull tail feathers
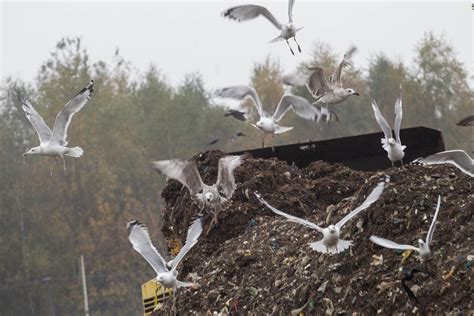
[(282, 129), (343, 245), (185, 284), (318, 246), (277, 39), (75, 152)]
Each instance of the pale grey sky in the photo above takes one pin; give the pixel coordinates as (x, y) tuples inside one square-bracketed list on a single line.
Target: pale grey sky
[(180, 37)]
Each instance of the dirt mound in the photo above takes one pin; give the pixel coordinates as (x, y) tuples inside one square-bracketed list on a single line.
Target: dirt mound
[(256, 262)]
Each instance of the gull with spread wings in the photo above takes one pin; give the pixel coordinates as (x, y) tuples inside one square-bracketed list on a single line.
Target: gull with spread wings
[(423, 245), (54, 143), (213, 196), (266, 123), (166, 273), (328, 91), (250, 11), (331, 243), (393, 146), (456, 157)]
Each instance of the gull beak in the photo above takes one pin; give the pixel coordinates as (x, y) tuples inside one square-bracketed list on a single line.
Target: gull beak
[(355, 93), (24, 155)]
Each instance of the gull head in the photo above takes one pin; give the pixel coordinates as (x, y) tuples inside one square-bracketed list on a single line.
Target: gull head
[(332, 229), (350, 92), (421, 242), (391, 141), (209, 197), (165, 278), (33, 151)]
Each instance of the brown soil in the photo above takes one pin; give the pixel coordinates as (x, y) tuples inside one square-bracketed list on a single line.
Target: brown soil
[(261, 264)]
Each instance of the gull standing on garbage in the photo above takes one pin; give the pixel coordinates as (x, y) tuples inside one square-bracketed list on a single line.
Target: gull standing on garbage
[(331, 243), (213, 196), (393, 147), (54, 143), (423, 245), (456, 157), (251, 11), (328, 91), (166, 273), (266, 123)]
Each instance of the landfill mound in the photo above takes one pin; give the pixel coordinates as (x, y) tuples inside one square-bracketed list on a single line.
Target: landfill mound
[(255, 262)]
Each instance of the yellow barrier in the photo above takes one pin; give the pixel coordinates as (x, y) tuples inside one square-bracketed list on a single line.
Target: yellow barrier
[(153, 294)]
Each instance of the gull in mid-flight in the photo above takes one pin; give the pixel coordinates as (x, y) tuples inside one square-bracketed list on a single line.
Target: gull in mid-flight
[(54, 143), (239, 115), (250, 11), (423, 245), (266, 123), (328, 91), (393, 146), (166, 273), (467, 121), (457, 157), (213, 196), (331, 243)]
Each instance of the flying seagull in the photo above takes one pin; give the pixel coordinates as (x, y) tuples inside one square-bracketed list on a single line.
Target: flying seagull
[(266, 123), (166, 273), (236, 114), (331, 243), (248, 12), (457, 157), (423, 246), (212, 196), (467, 121), (392, 146), (54, 143), (328, 91)]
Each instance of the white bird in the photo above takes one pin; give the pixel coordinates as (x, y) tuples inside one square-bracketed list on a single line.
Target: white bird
[(328, 91), (250, 11), (423, 246), (266, 123), (457, 157), (54, 143), (141, 242), (331, 243), (393, 147), (213, 196)]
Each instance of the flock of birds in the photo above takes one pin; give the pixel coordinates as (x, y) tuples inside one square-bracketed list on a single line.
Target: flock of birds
[(216, 197)]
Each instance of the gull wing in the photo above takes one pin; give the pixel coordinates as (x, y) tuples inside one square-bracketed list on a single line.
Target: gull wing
[(373, 196), (317, 84), (290, 10), (429, 237), (467, 121), (249, 12), (398, 117), (194, 232), (390, 244), (43, 131), (183, 171), (457, 157), (290, 218), (387, 131), (346, 61), (225, 175), (240, 93), (141, 242), (64, 117), (300, 106)]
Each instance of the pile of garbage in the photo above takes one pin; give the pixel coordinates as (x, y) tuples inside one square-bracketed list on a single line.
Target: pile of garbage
[(256, 262)]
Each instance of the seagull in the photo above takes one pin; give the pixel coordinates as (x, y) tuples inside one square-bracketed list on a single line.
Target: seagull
[(236, 114), (331, 243), (212, 196), (54, 143), (328, 91), (457, 157), (250, 11), (268, 124), (234, 137), (423, 246), (467, 121), (392, 146), (212, 142), (166, 273)]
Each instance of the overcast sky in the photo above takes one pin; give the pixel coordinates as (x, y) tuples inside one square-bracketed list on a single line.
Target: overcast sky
[(180, 37)]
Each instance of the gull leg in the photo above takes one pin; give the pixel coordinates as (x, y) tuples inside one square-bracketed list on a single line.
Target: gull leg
[(299, 48), (401, 160), (64, 165), (393, 165), (54, 166), (263, 140), (273, 142), (290, 47)]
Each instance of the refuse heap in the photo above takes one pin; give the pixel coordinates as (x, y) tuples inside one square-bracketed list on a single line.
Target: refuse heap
[(255, 262)]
